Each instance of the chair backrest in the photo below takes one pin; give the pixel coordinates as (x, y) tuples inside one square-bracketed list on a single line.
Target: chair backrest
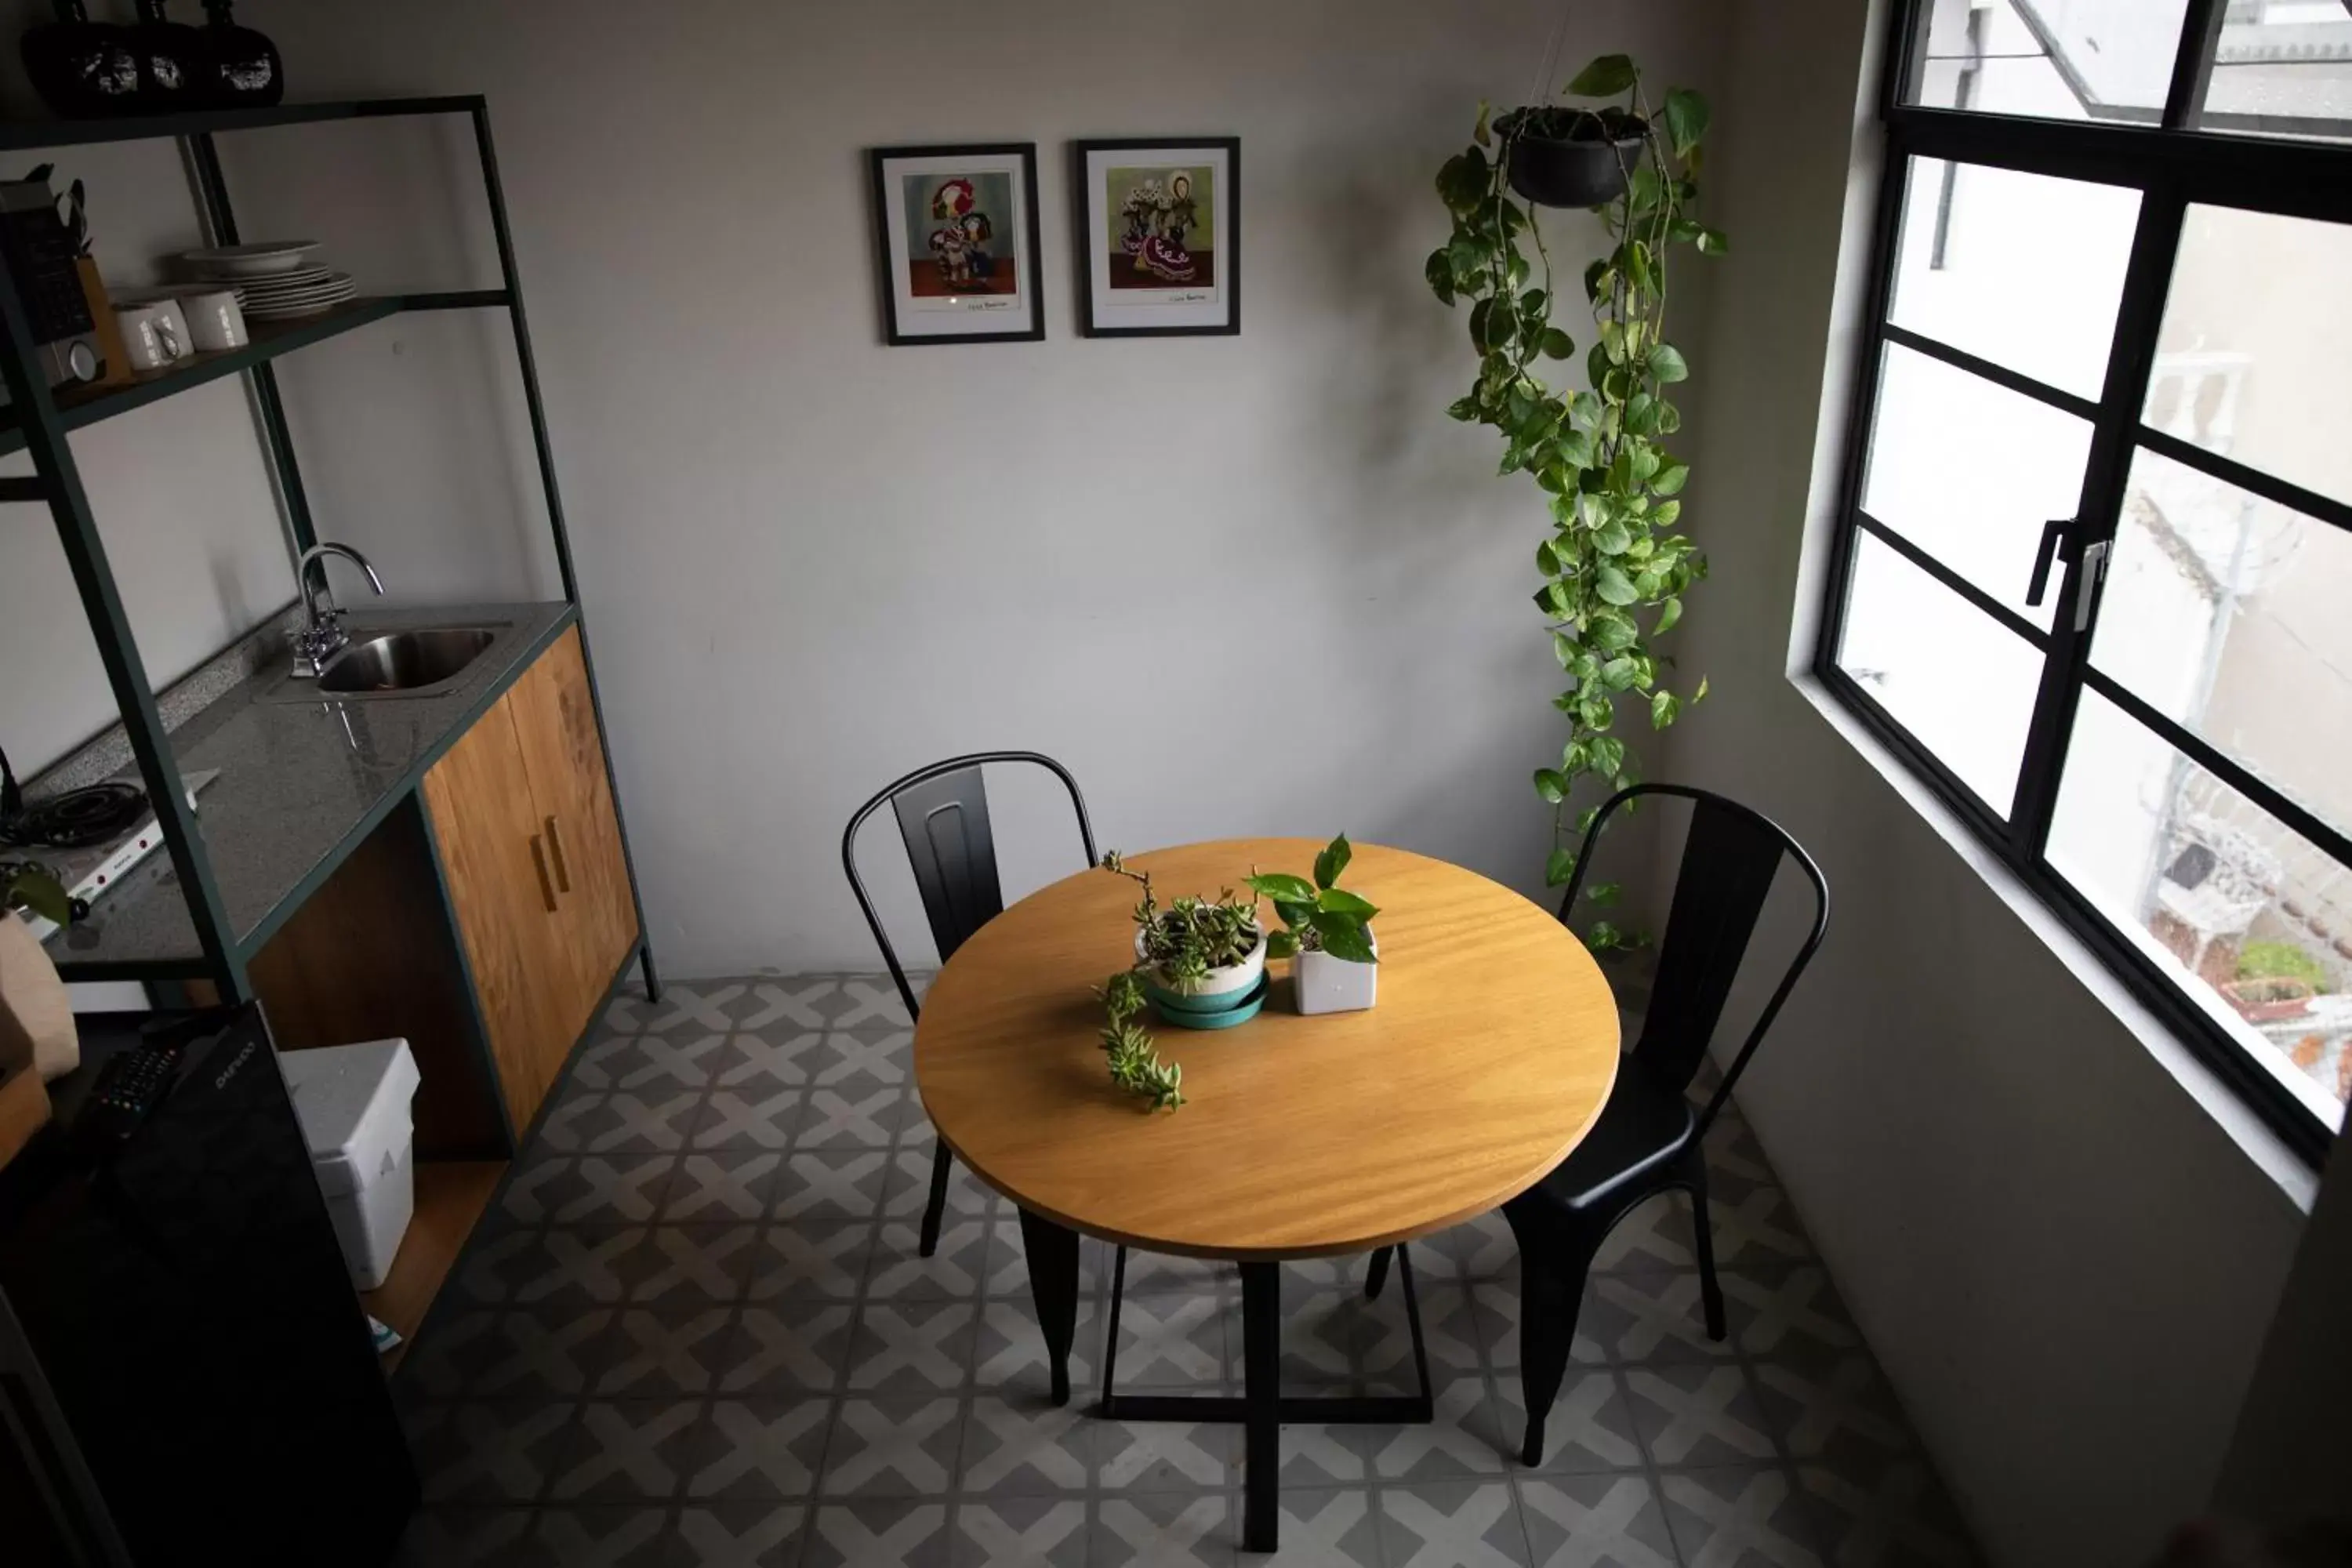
[(942, 813), (1730, 856)]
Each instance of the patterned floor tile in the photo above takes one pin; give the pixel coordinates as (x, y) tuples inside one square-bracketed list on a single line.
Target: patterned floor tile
[(1325, 1529), (1465, 1525), (1019, 1533), (625, 1449), (619, 1537), (1163, 1532), (1595, 1521), (730, 1534), (695, 1329), (895, 1446), (1025, 1447), (1698, 1414), (1735, 1516), (887, 1534)]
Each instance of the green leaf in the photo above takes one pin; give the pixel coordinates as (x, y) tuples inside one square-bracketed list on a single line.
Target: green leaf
[(40, 893), (1478, 314), (1565, 650), (1283, 887), (1605, 78), (1666, 363), (1666, 514), (1345, 938), (1700, 695), (1485, 138), (1604, 893), (1686, 117), (1670, 477), (1614, 587), (1294, 915), (1339, 900), (1613, 540), (1463, 408), (1603, 937), (1281, 944), (1608, 754), (1665, 707), (1619, 672), (1596, 280), (1332, 861), (1610, 631), (1551, 785), (1557, 868), (1668, 617), (1557, 344), (1438, 270), (1711, 242)]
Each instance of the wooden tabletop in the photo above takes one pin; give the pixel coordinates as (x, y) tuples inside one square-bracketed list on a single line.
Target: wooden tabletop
[(1491, 1049)]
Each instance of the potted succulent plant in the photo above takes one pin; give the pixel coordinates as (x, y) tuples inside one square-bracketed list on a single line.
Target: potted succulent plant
[(1201, 961), (1328, 931)]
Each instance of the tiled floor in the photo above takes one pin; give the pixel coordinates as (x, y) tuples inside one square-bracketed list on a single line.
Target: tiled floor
[(694, 1331)]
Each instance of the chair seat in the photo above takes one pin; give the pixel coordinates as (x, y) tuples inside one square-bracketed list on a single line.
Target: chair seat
[(1643, 1126)]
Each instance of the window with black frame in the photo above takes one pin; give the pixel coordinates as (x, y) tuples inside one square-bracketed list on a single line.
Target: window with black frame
[(2094, 575)]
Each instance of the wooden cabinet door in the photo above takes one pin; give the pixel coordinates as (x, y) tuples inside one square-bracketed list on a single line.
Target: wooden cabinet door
[(564, 755), (492, 860)]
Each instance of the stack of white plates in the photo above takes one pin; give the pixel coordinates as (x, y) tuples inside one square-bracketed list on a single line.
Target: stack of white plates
[(271, 283)]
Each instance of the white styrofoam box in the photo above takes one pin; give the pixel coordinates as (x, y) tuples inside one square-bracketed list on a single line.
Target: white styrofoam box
[(354, 1104)]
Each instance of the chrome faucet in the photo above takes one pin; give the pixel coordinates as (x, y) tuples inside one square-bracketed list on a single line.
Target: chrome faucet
[(322, 636)]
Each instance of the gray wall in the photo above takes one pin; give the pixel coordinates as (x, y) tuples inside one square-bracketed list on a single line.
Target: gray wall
[(2065, 1262), (812, 562)]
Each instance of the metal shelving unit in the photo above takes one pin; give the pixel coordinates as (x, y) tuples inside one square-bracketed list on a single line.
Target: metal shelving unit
[(39, 420)]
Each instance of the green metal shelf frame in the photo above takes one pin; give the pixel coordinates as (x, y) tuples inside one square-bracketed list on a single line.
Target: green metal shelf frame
[(42, 419)]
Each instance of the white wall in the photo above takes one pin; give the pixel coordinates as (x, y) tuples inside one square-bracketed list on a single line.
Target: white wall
[(811, 561), (2065, 1263)]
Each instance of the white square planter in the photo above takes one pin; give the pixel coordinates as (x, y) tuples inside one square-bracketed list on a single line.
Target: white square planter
[(1328, 985)]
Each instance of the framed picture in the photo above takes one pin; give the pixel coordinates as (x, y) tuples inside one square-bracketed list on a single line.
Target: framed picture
[(1160, 233), (956, 235)]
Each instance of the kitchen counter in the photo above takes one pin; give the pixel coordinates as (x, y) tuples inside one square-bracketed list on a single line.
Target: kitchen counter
[(301, 783)]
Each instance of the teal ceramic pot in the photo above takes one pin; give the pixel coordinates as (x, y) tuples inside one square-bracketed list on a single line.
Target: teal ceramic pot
[(1238, 1008)]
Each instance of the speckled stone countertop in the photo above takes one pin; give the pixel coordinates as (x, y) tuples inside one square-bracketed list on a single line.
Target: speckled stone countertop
[(301, 783)]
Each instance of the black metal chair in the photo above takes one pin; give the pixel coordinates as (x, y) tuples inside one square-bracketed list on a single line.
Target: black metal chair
[(942, 813), (1648, 1139)]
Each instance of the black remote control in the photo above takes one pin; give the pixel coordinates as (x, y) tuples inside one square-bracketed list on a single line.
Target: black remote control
[(127, 1088)]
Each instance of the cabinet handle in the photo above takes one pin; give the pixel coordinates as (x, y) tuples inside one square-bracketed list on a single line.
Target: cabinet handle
[(555, 851), (538, 859)]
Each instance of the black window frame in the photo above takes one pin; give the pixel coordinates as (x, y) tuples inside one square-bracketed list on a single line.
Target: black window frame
[(2173, 167)]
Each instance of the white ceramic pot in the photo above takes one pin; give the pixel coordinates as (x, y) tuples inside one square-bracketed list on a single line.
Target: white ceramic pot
[(1231, 980), (33, 1007), (1328, 985)]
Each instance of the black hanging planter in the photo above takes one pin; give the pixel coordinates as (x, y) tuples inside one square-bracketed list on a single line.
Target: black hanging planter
[(1571, 157), (80, 68)]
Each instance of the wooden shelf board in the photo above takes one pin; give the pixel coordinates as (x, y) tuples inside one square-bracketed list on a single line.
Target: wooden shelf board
[(450, 1197)]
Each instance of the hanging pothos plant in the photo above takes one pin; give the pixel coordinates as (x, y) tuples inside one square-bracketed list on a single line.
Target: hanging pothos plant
[(1614, 567)]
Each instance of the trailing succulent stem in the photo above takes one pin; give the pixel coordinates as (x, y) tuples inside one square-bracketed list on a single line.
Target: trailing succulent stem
[(1614, 567), (1135, 1065), (1319, 916)]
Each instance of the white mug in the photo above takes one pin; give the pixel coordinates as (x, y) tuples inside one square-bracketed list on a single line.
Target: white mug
[(215, 322), (154, 335)]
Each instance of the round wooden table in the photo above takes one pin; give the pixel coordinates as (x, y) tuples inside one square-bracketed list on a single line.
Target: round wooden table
[(1491, 1051)]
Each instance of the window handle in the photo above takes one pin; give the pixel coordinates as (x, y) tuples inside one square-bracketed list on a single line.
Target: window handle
[(2087, 587), (2054, 533)]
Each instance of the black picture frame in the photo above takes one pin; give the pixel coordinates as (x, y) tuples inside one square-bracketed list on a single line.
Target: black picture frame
[(1024, 155), (1088, 231)]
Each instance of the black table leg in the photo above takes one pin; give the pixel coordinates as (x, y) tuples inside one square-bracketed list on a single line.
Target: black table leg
[(1052, 1253), (1262, 1400)]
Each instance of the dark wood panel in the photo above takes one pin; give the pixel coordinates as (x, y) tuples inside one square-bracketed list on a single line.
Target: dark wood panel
[(370, 955)]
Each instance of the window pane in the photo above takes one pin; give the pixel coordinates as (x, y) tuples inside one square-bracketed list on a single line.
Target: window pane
[(2282, 68), (2253, 922), (2226, 612), (1961, 682), (1978, 267), (2260, 368), (1928, 479), (2055, 60)]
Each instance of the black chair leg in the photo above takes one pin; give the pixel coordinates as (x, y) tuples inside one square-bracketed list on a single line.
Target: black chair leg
[(933, 1211), (1378, 1274), (1555, 1253), (1703, 1243)]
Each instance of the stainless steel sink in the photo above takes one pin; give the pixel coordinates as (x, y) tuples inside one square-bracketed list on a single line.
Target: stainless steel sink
[(403, 662)]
